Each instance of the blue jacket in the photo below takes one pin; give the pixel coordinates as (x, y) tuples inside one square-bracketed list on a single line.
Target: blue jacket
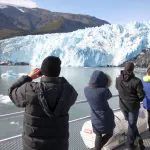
[(146, 84), (102, 116)]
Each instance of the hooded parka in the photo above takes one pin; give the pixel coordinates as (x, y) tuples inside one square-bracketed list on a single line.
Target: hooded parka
[(46, 116), (130, 90), (97, 95)]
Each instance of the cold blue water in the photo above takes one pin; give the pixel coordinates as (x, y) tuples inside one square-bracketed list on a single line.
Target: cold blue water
[(78, 77)]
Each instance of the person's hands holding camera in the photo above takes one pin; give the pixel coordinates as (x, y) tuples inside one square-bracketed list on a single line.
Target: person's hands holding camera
[(34, 74)]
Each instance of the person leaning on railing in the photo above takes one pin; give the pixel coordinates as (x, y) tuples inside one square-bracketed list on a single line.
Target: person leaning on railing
[(46, 119), (131, 93), (146, 101), (102, 116)]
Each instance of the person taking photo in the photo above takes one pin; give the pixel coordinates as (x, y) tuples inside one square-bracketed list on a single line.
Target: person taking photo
[(46, 103)]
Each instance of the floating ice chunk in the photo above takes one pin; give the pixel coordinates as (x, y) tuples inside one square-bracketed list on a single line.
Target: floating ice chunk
[(4, 99), (14, 123), (11, 74)]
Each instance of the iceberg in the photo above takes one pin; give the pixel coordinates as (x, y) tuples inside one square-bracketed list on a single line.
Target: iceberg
[(15, 123), (108, 45), (4, 99), (11, 74)]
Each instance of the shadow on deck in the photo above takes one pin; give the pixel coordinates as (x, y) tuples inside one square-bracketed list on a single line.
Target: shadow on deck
[(146, 138), (75, 141)]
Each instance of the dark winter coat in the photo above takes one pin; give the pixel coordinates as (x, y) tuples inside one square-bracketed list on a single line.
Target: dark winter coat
[(146, 84), (102, 116), (46, 111), (130, 90)]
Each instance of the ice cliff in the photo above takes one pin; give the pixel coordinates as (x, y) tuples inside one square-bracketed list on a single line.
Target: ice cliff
[(90, 47)]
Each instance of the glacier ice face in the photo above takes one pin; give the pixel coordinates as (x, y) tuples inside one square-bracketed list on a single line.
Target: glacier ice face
[(90, 47)]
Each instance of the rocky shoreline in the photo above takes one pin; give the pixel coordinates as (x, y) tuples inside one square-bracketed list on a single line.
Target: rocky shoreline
[(9, 63), (142, 60)]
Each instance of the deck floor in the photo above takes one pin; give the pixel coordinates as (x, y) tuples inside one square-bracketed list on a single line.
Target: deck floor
[(146, 138)]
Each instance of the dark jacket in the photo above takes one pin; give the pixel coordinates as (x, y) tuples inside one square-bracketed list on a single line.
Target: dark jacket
[(102, 116), (130, 90), (46, 111), (146, 84)]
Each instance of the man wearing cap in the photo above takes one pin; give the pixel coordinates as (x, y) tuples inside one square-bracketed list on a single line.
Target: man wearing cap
[(46, 103), (131, 93)]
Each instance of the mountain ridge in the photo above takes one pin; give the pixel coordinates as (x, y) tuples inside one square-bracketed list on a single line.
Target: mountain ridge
[(20, 21)]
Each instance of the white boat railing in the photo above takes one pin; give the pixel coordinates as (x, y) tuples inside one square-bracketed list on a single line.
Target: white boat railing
[(75, 141), (21, 112)]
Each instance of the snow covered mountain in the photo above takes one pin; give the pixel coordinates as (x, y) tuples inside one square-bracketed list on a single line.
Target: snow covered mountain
[(20, 3), (90, 47), (29, 19)]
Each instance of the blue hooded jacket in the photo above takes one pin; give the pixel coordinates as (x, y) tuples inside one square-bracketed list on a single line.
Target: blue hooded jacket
[(146, 85), (97, 95)]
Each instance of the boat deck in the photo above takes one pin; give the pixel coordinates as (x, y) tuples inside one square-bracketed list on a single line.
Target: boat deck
[(146, 138), (75, 140)]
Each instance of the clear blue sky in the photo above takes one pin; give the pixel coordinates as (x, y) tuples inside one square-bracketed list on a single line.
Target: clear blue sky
[(114, 11)]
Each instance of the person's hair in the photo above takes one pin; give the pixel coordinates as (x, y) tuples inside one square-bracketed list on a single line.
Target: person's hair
[(129, 67), (108, 82), (51, 66)]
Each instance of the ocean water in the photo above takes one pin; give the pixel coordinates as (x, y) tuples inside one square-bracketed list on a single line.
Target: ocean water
[(78, 77)]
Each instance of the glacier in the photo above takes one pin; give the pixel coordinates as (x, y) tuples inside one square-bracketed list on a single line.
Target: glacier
[(90, 47)]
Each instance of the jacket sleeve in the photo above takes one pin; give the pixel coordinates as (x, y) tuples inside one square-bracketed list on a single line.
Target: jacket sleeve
[(108, 94), (74, 96), (140, 91), (17, 91)]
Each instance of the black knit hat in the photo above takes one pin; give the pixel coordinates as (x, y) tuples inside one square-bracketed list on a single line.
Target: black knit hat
[(129, 66), (51, 66)]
